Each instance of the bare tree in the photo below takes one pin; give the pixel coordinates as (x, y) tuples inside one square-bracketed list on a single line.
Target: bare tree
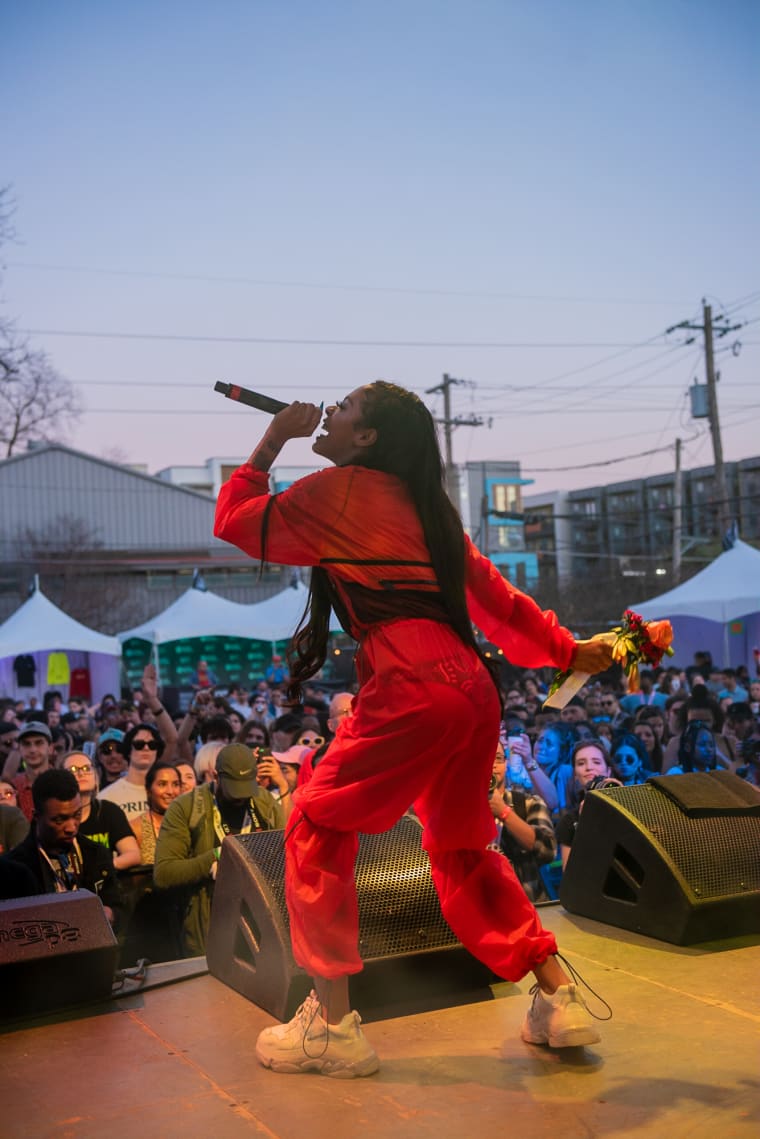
[(36, 401)]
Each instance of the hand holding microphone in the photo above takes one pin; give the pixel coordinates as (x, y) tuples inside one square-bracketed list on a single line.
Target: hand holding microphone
[(301, 421)]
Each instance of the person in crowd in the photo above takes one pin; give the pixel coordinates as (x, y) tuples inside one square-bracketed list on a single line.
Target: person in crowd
[(697, 749), (749, 760), (216, 728), (673, 716), (254, 734), (8, 794), (9, 754), (657, 718), (101, 821), (59, 860), (194, 827), (525, 832), (285, 730), (701, 707), (740, 724), (647, 694), (629, 759), (589, 763), (610, 705), (551, 769), (205, 761), (187, 777), (14, 825), (203, 677), (161, 787), (35, 746), (276, 672), (141, 746), (574, 712), (426, 720), (732, 689), (278, 773), (644, 731), (109, 758)]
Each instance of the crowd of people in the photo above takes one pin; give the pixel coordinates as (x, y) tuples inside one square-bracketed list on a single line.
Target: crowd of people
[(134, 800)]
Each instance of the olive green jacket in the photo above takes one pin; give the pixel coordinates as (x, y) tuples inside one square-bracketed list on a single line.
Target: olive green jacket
[(185, 854)]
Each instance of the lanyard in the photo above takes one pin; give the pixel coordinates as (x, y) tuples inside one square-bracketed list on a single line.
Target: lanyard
[(250, 821), (67, 869)]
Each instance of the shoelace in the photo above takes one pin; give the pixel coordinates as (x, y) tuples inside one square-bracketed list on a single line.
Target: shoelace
[(307, 1014), (578, 980)]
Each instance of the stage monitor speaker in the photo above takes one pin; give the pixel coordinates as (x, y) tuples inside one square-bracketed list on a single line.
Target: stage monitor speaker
[(411, 957), (676, 858), (55, 950)]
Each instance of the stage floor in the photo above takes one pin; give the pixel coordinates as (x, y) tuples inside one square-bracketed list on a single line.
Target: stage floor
[(679, 1058)]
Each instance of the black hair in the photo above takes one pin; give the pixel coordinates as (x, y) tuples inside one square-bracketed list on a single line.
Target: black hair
[(568, 739), (628, 739), (406, 446), (241, 737), (739, 710), (216, 726), (55, 783), (125, 747), (152, 772), (687, 745)]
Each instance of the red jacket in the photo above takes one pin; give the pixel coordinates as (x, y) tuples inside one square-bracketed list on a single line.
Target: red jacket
[(362, 527)]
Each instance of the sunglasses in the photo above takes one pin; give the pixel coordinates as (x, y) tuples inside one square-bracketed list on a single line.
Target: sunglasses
[(7, 794), (145, 745), (109, 748), (83, 769), (311, 741)]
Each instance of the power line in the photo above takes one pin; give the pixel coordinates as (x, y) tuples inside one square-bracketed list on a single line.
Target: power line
[(331, 286), (321, 342)]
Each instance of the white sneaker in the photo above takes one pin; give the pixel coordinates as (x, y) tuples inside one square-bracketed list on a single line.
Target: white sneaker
[(308, 1044), (560, 1020)]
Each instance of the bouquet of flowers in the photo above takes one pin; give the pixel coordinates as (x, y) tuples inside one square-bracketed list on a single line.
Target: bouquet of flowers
[(640, 642), (634, 642)]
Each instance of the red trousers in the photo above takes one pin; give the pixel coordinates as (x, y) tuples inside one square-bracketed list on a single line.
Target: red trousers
[(423, 731)]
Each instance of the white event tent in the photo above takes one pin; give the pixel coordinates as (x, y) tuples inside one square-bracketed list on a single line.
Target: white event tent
[(39, 628), (200, 613), (717, 610)]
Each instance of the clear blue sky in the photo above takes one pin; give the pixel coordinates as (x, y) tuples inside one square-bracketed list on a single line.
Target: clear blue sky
[(466, 176)]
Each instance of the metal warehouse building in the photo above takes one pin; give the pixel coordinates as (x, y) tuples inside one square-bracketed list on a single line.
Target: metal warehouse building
[(111, 546)]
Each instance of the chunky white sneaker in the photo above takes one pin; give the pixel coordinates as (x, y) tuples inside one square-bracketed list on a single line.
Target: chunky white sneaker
[(560, 1020), (308, 1044)]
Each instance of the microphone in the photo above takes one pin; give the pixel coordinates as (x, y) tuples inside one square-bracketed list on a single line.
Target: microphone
[(249, 398)]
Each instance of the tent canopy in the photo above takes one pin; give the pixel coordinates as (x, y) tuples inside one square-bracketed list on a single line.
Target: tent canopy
[(725, 590), (200, 613), (40, 626)]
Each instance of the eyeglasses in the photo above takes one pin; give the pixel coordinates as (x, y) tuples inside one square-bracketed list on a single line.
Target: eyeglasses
[(83, 769), (7, 794), (108, 748), (145, 745), (311, 741)]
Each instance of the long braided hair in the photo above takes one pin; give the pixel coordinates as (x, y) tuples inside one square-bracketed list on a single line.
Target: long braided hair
[(406, 446)]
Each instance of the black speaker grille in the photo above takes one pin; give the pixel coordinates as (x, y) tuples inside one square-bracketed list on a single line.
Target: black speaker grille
[(399, 911), (718, 856)]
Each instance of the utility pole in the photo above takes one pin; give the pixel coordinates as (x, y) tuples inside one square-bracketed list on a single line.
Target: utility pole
[(449, 423), (710, 329), (677, 515)]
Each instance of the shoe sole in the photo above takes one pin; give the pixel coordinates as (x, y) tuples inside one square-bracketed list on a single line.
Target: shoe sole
[(570, 1038), (337, 1069)]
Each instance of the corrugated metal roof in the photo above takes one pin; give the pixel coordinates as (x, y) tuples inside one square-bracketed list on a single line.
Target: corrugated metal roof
[(121, 509)]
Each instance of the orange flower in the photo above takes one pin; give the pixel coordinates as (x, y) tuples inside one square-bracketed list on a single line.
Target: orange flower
[(660, 633)]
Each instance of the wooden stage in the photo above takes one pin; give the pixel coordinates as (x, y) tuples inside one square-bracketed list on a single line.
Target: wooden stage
[(681, 1057)]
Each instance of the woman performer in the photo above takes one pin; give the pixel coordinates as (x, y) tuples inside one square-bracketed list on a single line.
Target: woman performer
[(390, 555)]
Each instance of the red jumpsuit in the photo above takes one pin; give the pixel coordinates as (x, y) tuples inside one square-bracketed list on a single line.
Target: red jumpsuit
[(425, 723)]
